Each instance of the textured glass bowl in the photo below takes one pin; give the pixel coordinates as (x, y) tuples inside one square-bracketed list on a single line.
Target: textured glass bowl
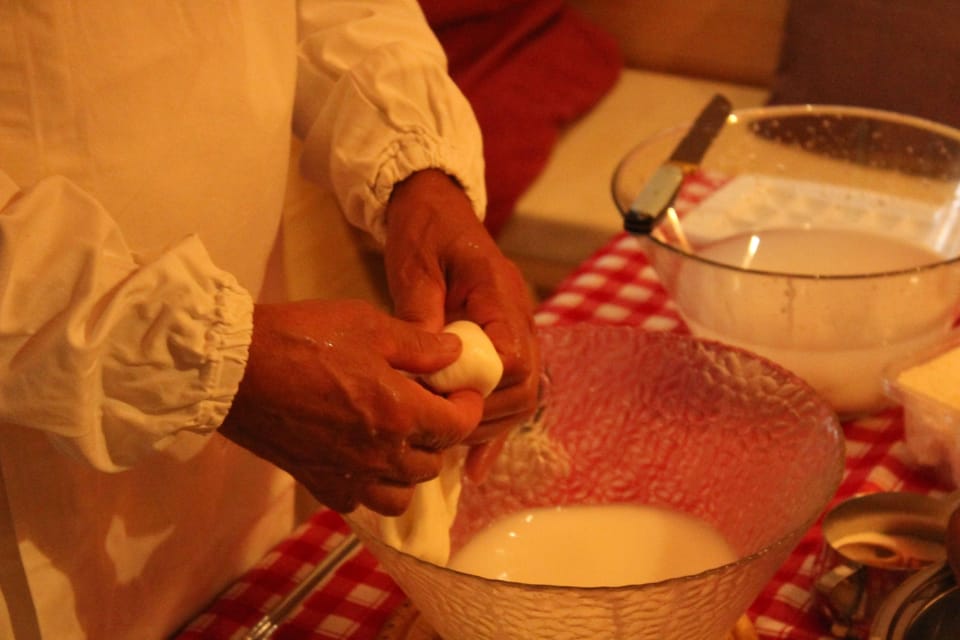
[(642, 418), (818, 170)]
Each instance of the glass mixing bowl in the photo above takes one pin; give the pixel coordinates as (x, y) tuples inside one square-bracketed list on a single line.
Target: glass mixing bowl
[(824, 238), (633, 417)]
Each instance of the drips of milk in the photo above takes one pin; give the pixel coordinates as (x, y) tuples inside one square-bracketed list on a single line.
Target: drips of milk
[(423, 530)]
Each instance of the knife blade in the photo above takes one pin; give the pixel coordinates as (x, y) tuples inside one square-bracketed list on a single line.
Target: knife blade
[(658, 194)]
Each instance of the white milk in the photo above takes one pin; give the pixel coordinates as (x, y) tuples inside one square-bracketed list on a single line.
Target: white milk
[(819, 252), (838, 334), (851, 380), (593, 545)]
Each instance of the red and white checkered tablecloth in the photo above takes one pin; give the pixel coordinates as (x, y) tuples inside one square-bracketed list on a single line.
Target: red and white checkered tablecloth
[(615, 285)]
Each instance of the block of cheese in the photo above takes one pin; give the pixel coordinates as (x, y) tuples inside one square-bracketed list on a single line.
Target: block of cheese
[(929, 390), (937, 378)]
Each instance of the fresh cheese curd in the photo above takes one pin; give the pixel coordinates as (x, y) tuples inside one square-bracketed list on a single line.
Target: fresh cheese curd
[(594, 545), (423, 530)]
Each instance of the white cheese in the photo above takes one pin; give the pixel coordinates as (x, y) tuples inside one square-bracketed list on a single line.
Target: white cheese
[(423, 530), (938, 378)]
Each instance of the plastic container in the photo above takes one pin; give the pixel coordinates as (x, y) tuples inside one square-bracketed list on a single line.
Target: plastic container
[(927, 385)]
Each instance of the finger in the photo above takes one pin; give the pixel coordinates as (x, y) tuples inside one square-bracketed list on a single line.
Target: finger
[(336, 492), (439, 422), (432, 441), (466, 406), (513, 336), (506, 315), (416, 351), (412, 465), (492, 429), (518, 350), (386, 498), (516, 403), (419, 424), (481, 457), (336, 502)]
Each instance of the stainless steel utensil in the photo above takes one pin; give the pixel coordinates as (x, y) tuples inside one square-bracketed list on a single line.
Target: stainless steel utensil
[(657, 196), (268, 624)]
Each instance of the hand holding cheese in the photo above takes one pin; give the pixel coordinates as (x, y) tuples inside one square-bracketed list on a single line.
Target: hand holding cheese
[(478, 367), (442, 262), (350, 422), (424, 529)]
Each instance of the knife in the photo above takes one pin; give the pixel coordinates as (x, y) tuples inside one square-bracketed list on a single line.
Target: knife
[(658, 193)]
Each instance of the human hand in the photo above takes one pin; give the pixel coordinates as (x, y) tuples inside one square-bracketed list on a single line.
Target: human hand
[(325, 396), (442, 265)]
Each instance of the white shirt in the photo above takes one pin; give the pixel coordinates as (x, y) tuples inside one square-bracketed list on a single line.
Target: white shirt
[(144, 152)]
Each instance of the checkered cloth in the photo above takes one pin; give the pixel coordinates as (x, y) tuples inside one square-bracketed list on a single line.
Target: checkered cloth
[(615, 285), (354, 602)]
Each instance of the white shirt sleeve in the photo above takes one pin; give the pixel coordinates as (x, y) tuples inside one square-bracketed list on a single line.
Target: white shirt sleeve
[(110, 353), (375, 104)]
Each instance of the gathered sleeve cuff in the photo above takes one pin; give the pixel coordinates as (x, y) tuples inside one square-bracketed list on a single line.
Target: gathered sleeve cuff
[(111, 353), (375, 104)]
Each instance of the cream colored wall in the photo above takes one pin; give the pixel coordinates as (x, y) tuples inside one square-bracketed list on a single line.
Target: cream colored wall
[(729, 40)]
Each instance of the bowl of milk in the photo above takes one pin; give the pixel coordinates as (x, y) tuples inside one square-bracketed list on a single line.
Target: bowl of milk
[(664, 482), (824, 238)]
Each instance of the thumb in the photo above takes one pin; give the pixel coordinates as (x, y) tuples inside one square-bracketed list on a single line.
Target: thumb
[(417, 351)]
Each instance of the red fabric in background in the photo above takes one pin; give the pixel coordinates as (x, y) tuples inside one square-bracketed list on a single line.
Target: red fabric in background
[(529, 68)]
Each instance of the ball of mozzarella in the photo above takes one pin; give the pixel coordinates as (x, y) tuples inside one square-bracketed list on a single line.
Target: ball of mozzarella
[(423, 530), (479, 366)]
